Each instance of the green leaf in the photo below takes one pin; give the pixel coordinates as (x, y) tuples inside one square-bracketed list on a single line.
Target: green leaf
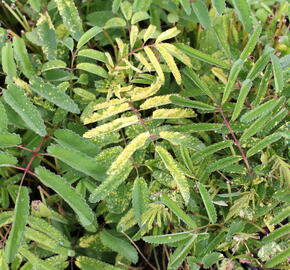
[(177, 174), (235, 70), (119, 245), (78, 160), (111, 184), (253, 40), (94, 69), (22, 56), (219, 5), (53, 64), (87, 263), (17, 100), (3, 118), (167, 238), (263, 143), (214, 242), (6, 159), (191, 52), (209, 150), (246, 86), (35, 261), (223, 163), (180, 254), (260, 65), (255, 127), (276, 119), (115, 23), (281, 257), (244, 13), (259, 111), (278, 74), (53, 94), (203, 87), (211, 258), (8, 64), (93, 54), (87, 36), (45, 227), (20, 217), (73, 198), (46, 242), (70, 17), (207, 201), (69, 139), (140, 5), (184, 102), (9, 139), (127, 10), (116, 5), (201, 13), (186, 6), (178, 138), (140, 198), (263, 86), (198, 127), (277, 233), (178, 211), (281, 216)]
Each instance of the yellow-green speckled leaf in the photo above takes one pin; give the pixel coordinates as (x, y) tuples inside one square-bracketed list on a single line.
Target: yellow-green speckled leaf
[(70, 17), (111, 126), (173, 113), (128, 151), (176, 172)]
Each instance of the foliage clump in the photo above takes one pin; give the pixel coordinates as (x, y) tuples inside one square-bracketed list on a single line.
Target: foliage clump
[(144, 134)]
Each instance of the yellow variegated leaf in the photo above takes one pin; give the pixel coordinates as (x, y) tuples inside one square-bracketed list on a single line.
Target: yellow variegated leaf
[(129, 150), (173, 113), (175, 171), (168, 34), (170, 62), (143, 61), (154, 62), (130, 66), (112, 110), (156, 102), (108, 104), (140, 93), (133, 35), (178, 54), (149, 32), (111, 126), (121, 46)]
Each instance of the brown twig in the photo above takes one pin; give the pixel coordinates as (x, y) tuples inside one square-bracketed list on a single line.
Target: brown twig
[(139, 251)]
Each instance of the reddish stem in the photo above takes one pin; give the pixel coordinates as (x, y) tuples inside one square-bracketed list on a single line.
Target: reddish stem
[(237, 143)]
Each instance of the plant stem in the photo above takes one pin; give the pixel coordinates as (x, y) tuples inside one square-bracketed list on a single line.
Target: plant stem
[(237, 143)]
